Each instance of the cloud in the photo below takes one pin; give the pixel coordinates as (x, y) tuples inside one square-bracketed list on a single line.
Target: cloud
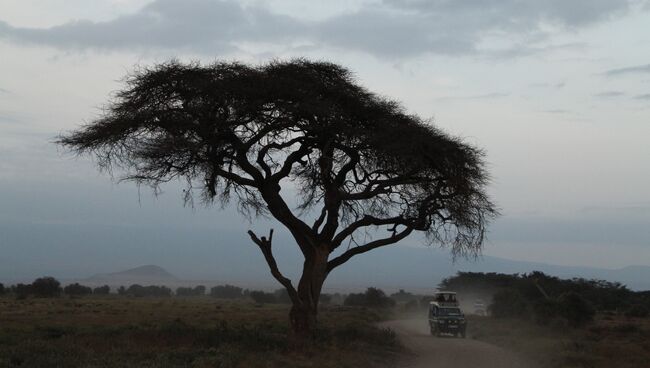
[(487, 96), (645, 97), (558, 111), (609, 94), (392, 28), (639, 69)]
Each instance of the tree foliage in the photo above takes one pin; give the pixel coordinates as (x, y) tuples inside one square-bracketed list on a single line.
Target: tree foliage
[(77, 289), (102, 290), (226, 292), (45, 287)]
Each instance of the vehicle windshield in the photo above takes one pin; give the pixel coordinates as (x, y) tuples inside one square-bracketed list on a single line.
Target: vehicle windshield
[(447, 312)]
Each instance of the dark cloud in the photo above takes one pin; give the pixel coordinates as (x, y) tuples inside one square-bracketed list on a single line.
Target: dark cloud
[(609, 94), (393, 28), (639, 69)]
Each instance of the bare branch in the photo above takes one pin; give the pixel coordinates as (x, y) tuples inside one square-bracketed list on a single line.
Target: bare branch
[(265, 246)]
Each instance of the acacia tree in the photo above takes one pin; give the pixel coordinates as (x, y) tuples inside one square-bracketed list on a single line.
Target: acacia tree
[(354, 162)]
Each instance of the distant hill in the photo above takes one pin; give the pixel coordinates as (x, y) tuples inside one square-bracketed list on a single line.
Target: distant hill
[(143, 275)]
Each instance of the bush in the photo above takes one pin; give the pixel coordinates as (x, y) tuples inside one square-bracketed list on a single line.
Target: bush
[(637, 310), (140, 291), (77, 289), (282, 296), (373, 298), (403, 296), (545, 311), (226, 292), (508, 303), (46, 287), (102, 290), (576, 309), (22, 290), (188, 291), (261, 297)]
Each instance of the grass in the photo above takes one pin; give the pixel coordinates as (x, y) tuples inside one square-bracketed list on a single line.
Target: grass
[(182, 332), (610, 341)]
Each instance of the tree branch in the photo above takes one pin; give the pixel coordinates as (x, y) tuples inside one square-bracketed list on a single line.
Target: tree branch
[(363, 222), (265, 246), (397, 236)]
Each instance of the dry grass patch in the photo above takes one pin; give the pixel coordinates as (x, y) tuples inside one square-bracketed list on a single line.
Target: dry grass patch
[(182, 332)]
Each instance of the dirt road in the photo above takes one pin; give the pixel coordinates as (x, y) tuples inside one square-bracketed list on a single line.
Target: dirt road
[(449, 352)]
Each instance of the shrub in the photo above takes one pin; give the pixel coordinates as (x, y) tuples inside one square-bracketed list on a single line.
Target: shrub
[(140, 291), (261, 297), (637, 310), (576, 309), (46, 287), (373, 298), (226, 292), (508, 303), (403, 296), (102, 290), (199, 290), (77, 289), (282, 296), (545, 311), (22, 290)]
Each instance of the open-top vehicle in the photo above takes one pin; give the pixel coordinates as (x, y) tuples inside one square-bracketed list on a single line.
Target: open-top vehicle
[(445, 316)]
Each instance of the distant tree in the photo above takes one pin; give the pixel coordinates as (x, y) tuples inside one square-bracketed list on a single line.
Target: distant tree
[(373, 298), (121, 290), (359, 164), (577, 311), (77, 290), (261, 297), (226, 292), (102, 290), (2, 289), (403, 296), (184, 291), (282, 296), (46, 287), (199, 290), (508, 303), (141, 291), (22, 290)]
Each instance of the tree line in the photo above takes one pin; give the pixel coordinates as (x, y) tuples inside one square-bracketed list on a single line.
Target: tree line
[(49, 287), (548, 299)]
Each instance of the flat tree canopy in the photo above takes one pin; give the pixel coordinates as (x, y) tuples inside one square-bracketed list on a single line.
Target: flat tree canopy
[(355, 161)]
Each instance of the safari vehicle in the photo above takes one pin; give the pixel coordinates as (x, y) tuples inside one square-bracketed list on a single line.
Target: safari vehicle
[(445, 316)]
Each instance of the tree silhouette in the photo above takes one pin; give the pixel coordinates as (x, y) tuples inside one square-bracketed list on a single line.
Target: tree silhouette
[(355, 162)]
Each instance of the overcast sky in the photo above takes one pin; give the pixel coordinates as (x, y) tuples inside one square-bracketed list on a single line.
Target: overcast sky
[(557, 92)]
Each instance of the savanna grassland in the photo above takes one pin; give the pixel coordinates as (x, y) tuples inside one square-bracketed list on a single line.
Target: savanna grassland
[(609, 341), (114, 331)]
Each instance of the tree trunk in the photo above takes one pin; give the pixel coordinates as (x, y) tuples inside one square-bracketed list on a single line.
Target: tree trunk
[(303, 314)]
